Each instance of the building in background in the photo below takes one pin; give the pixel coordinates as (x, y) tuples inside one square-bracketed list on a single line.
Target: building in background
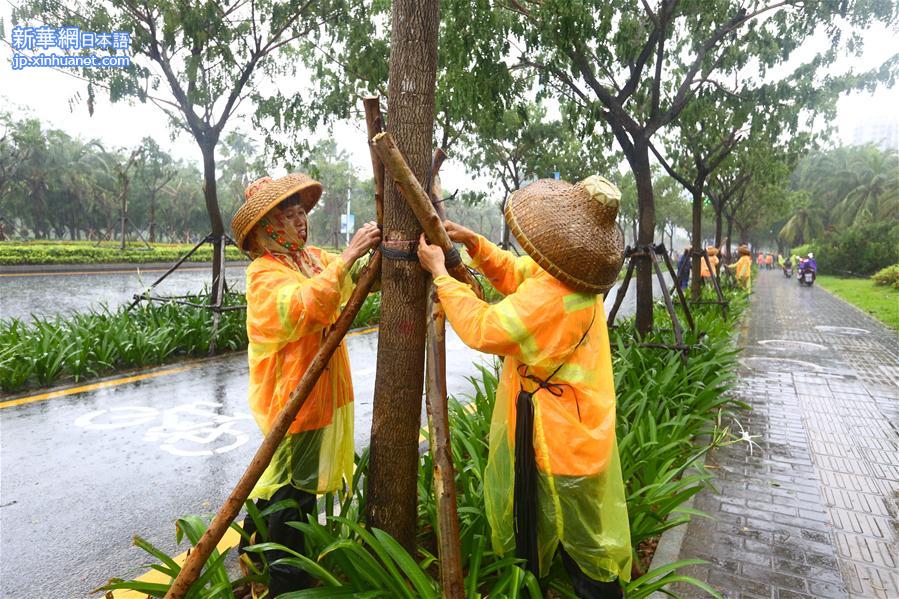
[(880, 129)]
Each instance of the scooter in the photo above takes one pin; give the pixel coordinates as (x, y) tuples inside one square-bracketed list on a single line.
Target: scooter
[(788, 271), (807, 276)]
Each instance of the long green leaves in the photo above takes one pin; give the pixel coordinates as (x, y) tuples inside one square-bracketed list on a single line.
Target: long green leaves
[(91, 344)]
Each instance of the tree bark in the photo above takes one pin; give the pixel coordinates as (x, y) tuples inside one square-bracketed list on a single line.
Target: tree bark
[(696, 242), (730, 233), (719, 226), (210, 194), (152, 231), (396, 418), (639, 162)]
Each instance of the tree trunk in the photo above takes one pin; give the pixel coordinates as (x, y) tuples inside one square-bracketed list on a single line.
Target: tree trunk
[(718, 228), (152, 232), (730, 232), (647, 214), (207, 147), (396, 419), (506, 231), (696, 242)]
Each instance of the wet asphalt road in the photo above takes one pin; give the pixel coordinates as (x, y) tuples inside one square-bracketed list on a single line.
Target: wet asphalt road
[(48, 294), (83, 473)]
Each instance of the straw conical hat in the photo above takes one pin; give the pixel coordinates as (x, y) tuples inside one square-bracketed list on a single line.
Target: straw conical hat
[(712, 250), (744, 250), (264, 194), (570, 230)]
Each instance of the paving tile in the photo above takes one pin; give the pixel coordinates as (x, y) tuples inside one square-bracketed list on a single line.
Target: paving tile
[(813, 511)]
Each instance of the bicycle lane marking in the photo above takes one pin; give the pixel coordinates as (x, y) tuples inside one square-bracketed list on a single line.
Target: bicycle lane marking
[(124, 380)]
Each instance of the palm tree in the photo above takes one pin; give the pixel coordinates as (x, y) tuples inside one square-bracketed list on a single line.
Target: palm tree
[(874, 195), (805, 224)]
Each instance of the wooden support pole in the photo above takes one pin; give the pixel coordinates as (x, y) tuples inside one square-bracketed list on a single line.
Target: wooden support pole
[(232, 506), (622, 291), (420, 203), (374, 121), (449, 548)]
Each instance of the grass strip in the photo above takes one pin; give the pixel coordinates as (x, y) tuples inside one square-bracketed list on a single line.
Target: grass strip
[(881, 302)]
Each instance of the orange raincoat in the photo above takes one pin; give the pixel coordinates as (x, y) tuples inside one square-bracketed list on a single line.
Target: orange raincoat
[(705, 268), (581, 499), (287, 318)]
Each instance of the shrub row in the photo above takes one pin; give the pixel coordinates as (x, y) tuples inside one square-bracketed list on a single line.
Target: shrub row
[(856, 251), (13, 253), (91, 344)]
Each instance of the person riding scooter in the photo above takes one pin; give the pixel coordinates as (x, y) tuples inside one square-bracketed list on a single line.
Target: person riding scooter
[(787, 267), (808, 269)]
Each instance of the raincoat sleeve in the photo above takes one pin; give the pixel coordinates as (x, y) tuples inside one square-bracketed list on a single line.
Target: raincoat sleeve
[(349, 282), (505, 270), (490, 328), (287, 306)]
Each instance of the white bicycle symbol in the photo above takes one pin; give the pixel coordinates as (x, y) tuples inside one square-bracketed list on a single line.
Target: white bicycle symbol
[(183, 427)]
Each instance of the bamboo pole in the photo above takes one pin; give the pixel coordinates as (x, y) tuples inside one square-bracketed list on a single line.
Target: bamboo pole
[(232, 506), (421, 205), (449, 548)]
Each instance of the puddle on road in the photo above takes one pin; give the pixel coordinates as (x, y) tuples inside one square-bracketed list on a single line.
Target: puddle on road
[(790, 345), (851, 331), (780, 364)]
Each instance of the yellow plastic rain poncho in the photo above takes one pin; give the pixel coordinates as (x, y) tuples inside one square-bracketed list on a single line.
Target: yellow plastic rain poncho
[(744, 271), (581, 499), (287, 317)]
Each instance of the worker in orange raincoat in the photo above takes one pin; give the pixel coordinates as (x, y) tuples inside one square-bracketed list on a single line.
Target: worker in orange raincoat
[(294, 293), (553, 478), (713, 259), (744, 267)]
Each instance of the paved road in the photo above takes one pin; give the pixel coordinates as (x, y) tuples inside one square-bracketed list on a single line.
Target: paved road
[(47, 294), (812, 511), (84, 472)]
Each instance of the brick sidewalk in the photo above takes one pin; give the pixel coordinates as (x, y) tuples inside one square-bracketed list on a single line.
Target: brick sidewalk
[(812, 512)]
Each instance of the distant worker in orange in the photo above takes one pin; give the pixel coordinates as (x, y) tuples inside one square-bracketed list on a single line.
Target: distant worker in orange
[(744, 267), (713, 259), (769, 262)]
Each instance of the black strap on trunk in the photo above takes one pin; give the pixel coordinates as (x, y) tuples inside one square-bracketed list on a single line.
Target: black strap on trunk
[(524, 492)]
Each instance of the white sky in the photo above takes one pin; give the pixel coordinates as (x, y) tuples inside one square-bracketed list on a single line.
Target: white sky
[(48, 95)]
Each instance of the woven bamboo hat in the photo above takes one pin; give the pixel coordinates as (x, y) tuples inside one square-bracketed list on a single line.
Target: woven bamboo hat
[(712, 250), (264, 194), (744, 250), (570, 230)]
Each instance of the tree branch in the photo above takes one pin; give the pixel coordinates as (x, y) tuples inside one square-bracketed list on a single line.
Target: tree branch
[(670, 170)]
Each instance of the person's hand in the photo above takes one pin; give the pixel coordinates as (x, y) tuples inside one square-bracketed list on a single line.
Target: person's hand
[(461, 234), (431, 257), (366, 238)]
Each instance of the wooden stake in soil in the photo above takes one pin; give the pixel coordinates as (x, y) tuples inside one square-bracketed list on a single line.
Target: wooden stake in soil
[(199, 554)]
